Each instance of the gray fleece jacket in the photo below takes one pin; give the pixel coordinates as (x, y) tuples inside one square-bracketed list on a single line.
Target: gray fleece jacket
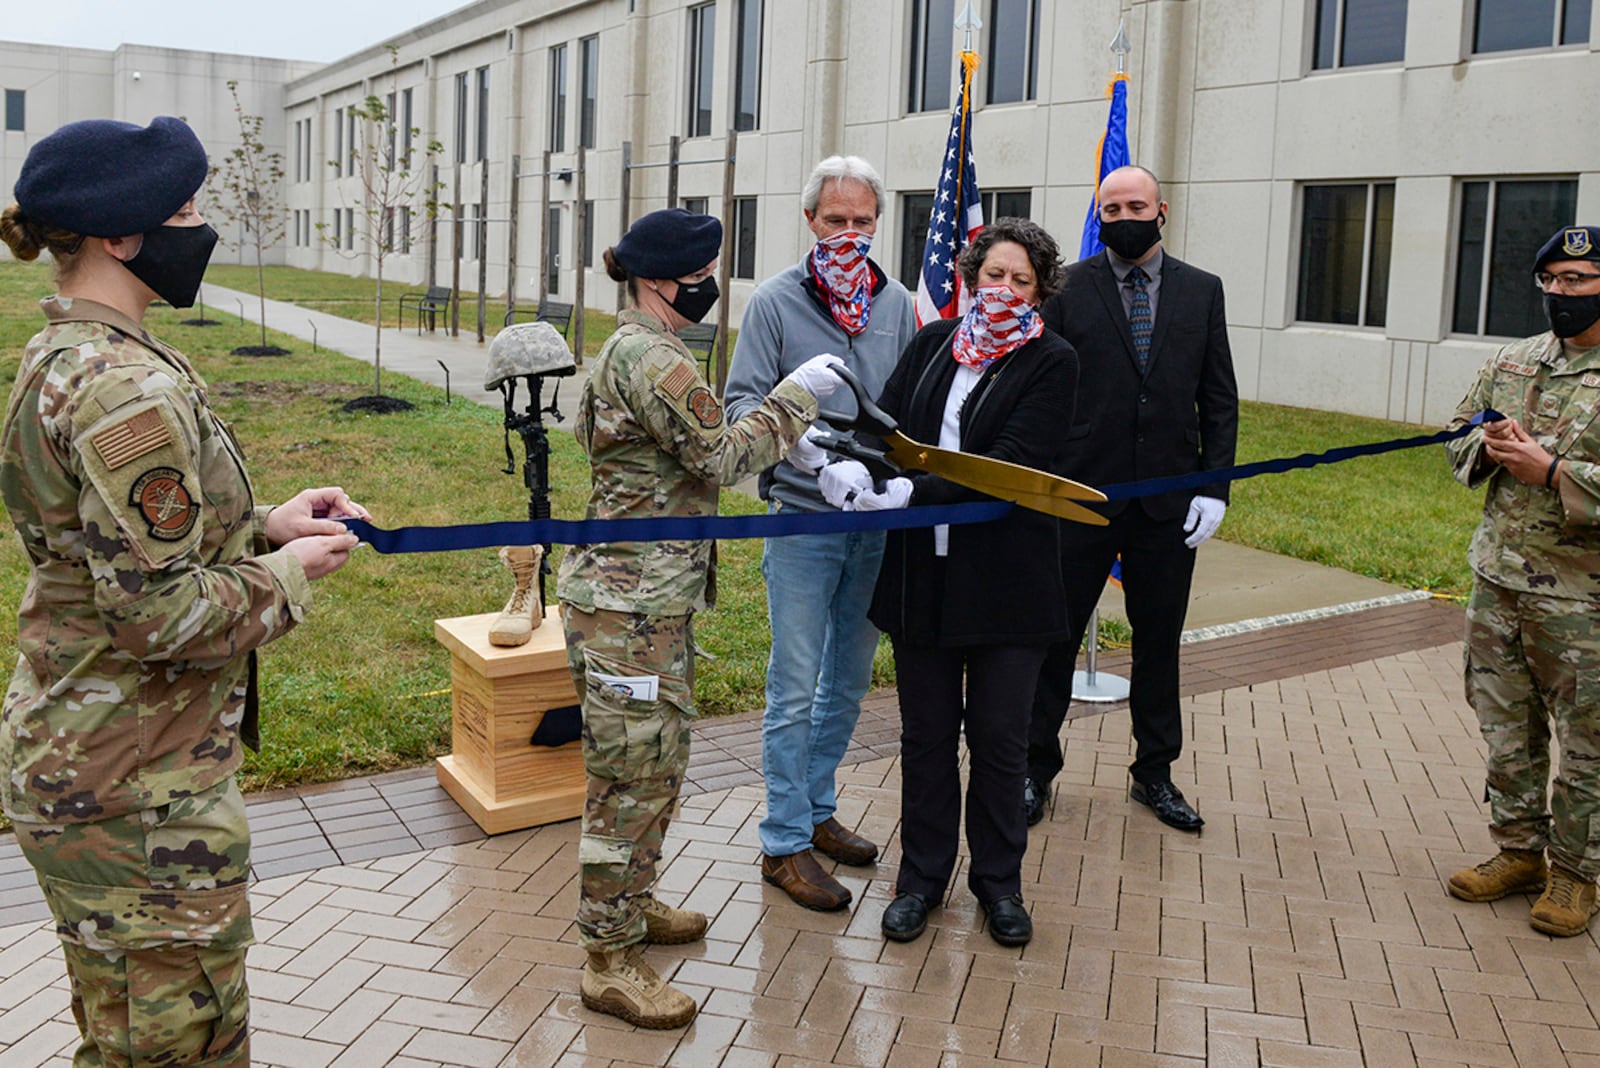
[(786, 323)]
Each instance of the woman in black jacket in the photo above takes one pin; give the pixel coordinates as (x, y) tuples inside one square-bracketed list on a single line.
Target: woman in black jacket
[(976, 604)]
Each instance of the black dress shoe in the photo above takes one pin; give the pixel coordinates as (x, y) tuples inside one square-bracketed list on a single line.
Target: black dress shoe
[(905, 918), (1009, 922), (1033, 801), (1166, 801)]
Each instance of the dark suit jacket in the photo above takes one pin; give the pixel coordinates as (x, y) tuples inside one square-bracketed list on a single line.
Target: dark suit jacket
[(1001, 582), (1182, 416)]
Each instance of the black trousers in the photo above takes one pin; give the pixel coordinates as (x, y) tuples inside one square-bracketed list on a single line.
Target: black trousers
[(1157, 568), (999, 682)]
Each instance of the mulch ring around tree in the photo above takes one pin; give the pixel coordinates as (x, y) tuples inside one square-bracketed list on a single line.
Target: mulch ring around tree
[(258, 350), (378, 404)]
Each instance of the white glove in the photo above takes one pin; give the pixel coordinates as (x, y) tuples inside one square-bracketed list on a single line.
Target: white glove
[(816, 376), (1205, 516), (839, 481), (807, 455), (896, 493)]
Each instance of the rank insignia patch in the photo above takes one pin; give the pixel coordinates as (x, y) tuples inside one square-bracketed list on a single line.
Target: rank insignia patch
[(132, 438), (165, 503), (705, 407), (1575, 241)]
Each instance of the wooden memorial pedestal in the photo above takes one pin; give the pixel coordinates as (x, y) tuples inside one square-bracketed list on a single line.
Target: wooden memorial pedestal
[(498, 697)]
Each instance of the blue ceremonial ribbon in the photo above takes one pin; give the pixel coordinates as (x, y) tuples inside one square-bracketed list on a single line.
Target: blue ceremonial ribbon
[(1149, 487), (669, 528), (702, 528)]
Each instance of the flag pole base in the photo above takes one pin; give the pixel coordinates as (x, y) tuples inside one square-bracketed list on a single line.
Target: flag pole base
[(1097, 687)]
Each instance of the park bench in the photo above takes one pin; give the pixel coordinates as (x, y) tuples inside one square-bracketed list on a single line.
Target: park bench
[(557, 313), (435, 300)]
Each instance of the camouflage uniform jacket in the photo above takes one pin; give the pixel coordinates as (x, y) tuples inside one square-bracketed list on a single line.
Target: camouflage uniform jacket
[(1532, 539), (146, 595), (659, 445)]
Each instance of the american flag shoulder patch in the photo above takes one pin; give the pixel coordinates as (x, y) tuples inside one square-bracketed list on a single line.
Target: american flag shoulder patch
[(677, 381), (132, 438)]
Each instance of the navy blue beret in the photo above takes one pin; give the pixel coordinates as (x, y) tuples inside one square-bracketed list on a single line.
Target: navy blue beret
[(669, 243), (1570, 243), (111, 179)]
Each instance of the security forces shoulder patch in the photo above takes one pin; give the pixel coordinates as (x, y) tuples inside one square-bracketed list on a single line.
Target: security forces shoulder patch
[(705, 407), (1575, 241), (165, 503)]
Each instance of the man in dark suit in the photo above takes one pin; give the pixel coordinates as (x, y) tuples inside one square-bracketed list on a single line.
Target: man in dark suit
[(1156, 397)]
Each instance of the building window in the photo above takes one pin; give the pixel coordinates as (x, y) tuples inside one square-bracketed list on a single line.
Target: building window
[(552, 267), (1007, 204), (405, 231), (338, 141), (483, 113), (702, 44), (338, 227), (1351, 33), (932, 52), (744, 237), (1506, 25), (461, 117), (390, 130), (588, 233), (915, 210), (349, 228), (350, 134), (16, 109), (1013, 59), (558, 98), (697, 205), (407, 130), (589, 75), (479, 225), (1503, 223), (1346, 232), (747, 67)]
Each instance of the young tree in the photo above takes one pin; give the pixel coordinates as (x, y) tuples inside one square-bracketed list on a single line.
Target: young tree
[(398, 198), (247, 189)]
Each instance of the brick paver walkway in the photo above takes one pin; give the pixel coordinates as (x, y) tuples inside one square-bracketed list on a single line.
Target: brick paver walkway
[(1306, 926)]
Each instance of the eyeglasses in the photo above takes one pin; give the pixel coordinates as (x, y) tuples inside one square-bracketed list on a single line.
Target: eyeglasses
[(1569, 279)]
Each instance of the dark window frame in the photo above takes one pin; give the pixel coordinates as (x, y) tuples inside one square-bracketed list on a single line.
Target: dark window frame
[(552, 222), (481, 79), (701, 68), (557, 134), (924, 89), (407, 129), (1331, 40), (1492, 284), (747, 72), (338, 142), (461, 117), (1376, 257), (916, 210), (589, 92), (995, 199), (746, 233), (1569, 24), (1030, 52), (16, 110)]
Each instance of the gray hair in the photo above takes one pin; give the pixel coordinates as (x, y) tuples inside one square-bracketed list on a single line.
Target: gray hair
[(841, 169)]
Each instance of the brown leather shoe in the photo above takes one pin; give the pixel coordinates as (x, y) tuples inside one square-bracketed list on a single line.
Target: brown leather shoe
[(836, 840), (802, 878)]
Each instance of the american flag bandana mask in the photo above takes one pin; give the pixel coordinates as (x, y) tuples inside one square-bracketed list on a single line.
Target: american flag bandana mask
[(997, 322), (840, 266)]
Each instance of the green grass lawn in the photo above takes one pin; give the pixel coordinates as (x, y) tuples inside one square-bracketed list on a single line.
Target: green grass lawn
[(362, 686)]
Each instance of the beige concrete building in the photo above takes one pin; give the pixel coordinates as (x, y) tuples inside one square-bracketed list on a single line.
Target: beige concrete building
[(1369, 177)]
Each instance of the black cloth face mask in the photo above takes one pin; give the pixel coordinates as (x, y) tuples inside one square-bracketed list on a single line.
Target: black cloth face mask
[(1569, 315), (1131, 238), (172, 260), (694, 300)]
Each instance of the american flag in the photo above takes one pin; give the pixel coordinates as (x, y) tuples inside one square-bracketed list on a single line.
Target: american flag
[(957, 214)]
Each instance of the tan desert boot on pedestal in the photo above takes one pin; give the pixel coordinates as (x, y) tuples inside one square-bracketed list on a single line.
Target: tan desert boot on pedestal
[(620, 983), (524, 611), (1565, 906), (1511, 871)]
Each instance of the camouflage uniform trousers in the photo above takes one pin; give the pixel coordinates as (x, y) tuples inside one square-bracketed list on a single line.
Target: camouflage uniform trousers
[(1533, 666), (153, 917), (635, 753)]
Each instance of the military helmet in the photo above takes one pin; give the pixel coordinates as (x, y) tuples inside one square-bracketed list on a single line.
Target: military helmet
[(527, 349)]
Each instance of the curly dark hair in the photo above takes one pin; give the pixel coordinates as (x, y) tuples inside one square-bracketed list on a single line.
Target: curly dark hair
[(1044, 255)]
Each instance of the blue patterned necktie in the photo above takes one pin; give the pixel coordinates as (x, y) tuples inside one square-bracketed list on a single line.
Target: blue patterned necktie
[(1140, 321)]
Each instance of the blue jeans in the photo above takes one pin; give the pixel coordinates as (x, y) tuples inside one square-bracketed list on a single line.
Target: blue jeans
[(818, 590)]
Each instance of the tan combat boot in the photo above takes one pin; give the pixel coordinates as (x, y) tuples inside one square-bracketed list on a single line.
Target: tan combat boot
[(1511, 871), (620, 983), (667, 926), (523, 612), (1565, 906)]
